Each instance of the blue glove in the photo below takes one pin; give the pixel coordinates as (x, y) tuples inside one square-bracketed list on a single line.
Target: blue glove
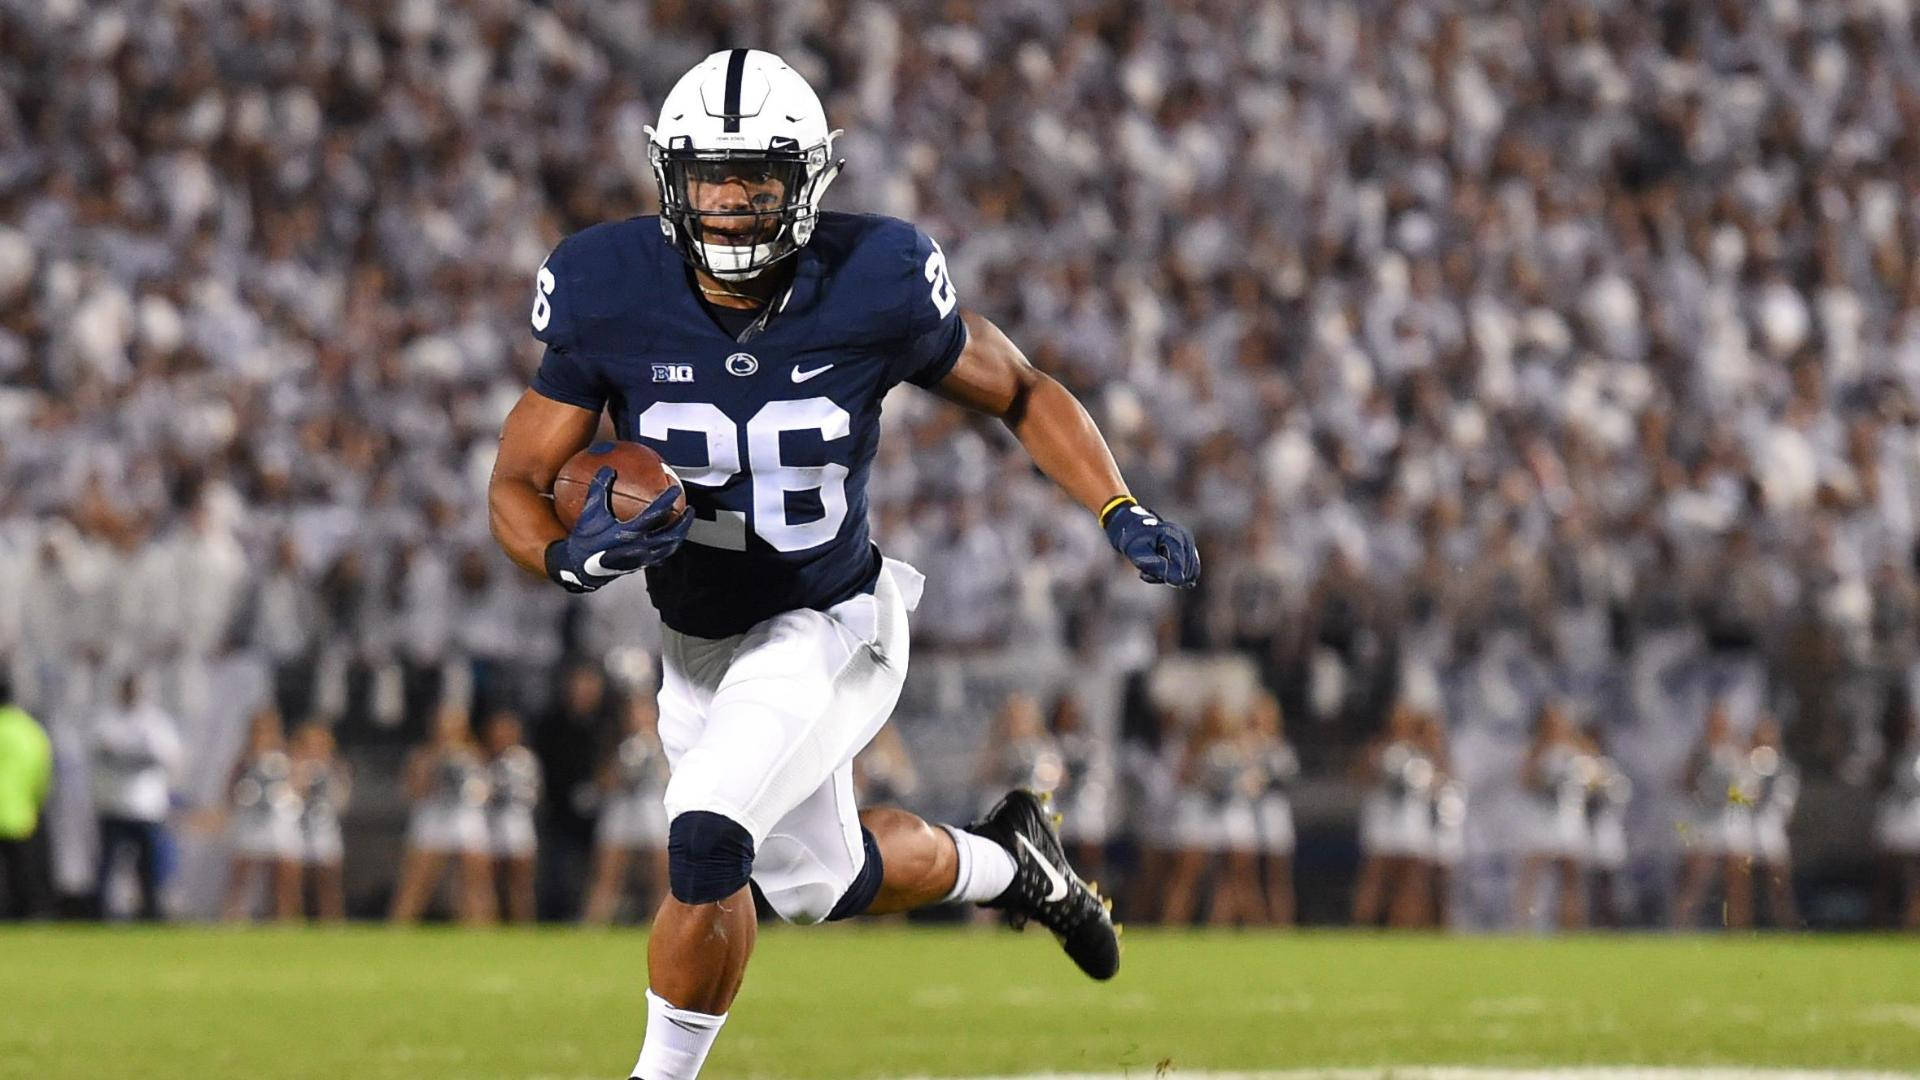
[(1162, 551), (602, 547)]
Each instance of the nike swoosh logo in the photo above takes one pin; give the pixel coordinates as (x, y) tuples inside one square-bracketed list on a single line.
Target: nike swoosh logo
[(594, 567), (1059, 883), (800, 376)]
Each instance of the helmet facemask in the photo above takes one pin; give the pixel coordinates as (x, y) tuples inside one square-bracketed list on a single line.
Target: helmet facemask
[(760, 205)]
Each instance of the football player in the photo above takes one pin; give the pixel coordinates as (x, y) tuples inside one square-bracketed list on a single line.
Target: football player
[(749, 337)]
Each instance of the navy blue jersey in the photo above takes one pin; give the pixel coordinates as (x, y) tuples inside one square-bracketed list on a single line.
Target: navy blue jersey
[(772, 434)]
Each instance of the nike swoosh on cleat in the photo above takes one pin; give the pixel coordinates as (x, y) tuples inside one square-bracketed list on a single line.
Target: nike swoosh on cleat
[(801, 376), (1054, 878)]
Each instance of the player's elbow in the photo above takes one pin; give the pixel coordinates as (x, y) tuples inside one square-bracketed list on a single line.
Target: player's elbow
[(497, 501), (515, 507), (1031, 387)]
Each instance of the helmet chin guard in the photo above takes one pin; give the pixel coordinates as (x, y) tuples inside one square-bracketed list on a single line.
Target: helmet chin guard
[(741, 116)]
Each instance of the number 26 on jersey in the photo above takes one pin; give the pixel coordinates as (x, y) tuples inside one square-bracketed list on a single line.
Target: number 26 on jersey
[(772, 478)]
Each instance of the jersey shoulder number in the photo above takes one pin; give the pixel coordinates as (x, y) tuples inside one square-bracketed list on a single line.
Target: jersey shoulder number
[(935, 270), (542, 299), (583, 282)]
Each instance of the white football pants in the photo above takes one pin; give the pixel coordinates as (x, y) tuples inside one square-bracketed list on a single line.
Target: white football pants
[(762, 728)]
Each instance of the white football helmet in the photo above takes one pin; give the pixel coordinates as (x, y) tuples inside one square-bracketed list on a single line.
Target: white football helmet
[(739, 110)]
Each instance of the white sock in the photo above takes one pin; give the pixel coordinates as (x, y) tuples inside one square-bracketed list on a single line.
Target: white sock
[(985, 868), (677, 1041)]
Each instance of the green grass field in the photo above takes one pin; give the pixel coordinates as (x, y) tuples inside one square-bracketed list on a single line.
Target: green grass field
[(849, 1002)]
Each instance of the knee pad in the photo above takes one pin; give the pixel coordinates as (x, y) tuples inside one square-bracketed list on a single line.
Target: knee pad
[(709, 857), (866, 884)]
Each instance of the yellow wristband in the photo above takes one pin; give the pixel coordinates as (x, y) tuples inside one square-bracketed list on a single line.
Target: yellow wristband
[(1116, 503)]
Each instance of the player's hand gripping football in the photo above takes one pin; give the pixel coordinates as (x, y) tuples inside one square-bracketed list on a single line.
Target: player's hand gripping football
[(1162, 551), (602, 547)]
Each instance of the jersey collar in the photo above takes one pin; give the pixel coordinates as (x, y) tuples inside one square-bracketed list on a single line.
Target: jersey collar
[(784, 311)]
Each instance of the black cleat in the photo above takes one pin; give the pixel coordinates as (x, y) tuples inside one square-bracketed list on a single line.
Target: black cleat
[(1045, 889)]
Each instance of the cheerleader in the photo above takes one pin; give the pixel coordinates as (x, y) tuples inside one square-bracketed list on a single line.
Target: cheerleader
[(1148, 771), (883, 773), (1720, 835), (1449, 819), (1276, 767), (1897, 824), (1086, 788), (1557, 776), (264, 815), (447, 781), (1776, 792), (1608, 797), (1396, 824), (1023, 754), (513, 790), (633, 817), (323, 786), (1214, 816)]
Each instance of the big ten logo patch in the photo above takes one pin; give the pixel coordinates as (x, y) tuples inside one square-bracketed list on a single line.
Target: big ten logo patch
[(673, 373)]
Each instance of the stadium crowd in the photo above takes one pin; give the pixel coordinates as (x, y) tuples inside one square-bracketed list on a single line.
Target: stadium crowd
[(1512, 363)]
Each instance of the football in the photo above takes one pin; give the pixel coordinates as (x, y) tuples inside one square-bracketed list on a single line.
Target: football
[(639, 478)]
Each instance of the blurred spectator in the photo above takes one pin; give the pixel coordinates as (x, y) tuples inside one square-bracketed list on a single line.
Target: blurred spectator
[(1897, 828), (1150, 757), (1019, 753), (633, 815), (883, 773), (136, 755), (26, 771), (572, 741), (285, 617)]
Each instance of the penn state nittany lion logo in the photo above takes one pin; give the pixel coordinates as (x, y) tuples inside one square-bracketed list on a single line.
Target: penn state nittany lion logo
[(742, 364)]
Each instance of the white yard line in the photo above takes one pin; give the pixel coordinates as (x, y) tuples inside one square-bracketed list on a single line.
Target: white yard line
[(1450, 1072)]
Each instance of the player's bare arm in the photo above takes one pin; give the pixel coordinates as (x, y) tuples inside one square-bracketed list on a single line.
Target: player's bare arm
[(539, 435), (992, 376)]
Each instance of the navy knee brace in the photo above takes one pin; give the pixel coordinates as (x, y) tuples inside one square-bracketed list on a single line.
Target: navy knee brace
[(709, 857), (866, 884)]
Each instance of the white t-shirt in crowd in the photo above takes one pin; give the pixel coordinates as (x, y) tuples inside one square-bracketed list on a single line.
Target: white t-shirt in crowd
[(136, 751)]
